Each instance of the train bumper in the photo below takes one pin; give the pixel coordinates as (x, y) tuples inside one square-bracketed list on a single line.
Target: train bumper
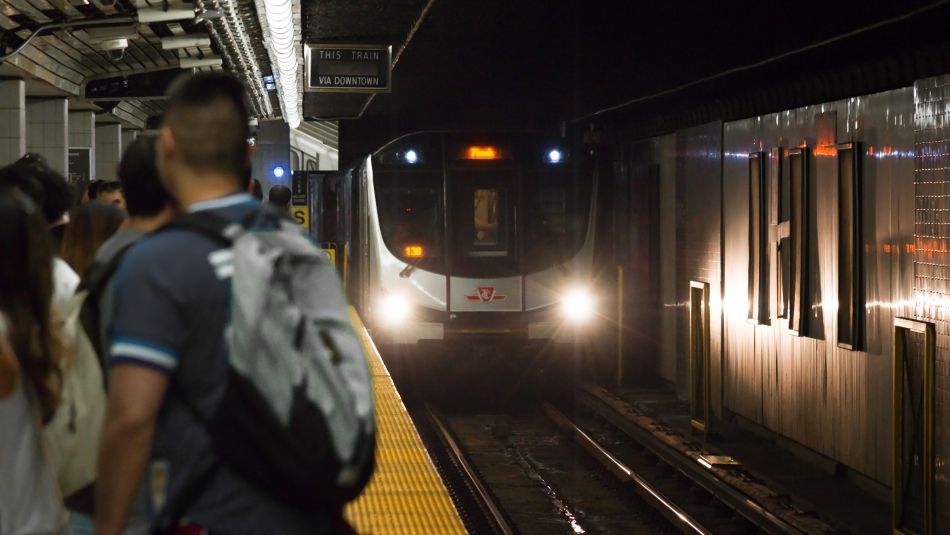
[(414, 332)]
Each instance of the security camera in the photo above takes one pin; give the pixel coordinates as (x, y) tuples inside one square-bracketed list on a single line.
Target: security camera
[(114, 48)]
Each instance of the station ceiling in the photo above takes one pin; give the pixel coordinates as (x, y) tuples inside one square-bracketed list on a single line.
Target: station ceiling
[(523, 64)]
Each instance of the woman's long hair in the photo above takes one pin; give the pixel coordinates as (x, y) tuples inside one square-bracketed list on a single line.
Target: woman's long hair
[(89, 226), (26, 291)]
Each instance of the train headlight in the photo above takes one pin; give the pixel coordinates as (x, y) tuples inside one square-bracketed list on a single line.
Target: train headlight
[(578, 305), (393, 309)]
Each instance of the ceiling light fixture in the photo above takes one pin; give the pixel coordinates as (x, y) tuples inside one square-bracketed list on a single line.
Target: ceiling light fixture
[(148, 15), (279, 17), (194, 63), (175, 43)]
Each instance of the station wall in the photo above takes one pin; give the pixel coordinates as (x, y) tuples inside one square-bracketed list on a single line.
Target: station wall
[(833, 400)]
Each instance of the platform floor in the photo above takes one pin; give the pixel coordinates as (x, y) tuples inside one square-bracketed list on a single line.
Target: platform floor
[(406, 494)]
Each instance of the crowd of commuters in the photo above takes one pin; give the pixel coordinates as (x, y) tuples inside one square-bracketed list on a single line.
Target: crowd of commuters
[(158, 296)]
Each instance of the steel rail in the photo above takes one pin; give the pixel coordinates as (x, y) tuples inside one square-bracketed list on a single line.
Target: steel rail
[(723, 491), (648, 492), (493, 511)]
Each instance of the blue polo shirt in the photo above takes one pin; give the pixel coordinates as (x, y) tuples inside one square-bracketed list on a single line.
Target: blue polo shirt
[(170, 312)]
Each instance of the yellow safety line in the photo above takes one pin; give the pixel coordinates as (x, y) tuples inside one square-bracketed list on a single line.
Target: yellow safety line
[(406, 494)]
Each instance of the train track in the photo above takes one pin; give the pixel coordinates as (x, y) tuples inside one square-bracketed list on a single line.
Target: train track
[(493, 516), (684, 494), (682, 489)]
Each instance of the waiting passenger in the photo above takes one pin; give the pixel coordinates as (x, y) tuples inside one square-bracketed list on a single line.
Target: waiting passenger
[(48, 190), (90, 225), (111, 191), (92, 192), (170, 313), (29, 380), (149, 208), (279, 197), (256, 189)]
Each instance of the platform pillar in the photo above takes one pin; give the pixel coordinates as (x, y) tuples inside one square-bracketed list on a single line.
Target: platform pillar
[(271, 151), (47, 130), (13, 118), (108, 150)]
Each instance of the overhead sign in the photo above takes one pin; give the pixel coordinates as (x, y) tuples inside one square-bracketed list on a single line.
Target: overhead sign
[(348, 68)]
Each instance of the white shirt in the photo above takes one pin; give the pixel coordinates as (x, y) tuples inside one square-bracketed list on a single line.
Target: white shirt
[(65, 282), (29, 500)]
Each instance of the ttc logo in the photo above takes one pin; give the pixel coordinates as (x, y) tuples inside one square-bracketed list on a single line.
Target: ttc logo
[(486, 294)]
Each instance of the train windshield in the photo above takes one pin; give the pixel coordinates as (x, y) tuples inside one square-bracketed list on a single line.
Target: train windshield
[(509, 211), (410, 215)]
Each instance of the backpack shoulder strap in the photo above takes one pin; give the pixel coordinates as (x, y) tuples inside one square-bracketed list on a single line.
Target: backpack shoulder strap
[(208, 224)]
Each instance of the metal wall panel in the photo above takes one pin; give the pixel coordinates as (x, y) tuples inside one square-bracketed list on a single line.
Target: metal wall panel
[(830, 399), (698, 194), (932, 260)]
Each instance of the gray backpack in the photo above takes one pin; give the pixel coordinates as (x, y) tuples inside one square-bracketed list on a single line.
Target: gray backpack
[(297, 416)]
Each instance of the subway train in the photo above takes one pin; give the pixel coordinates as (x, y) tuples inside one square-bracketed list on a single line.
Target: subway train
[(465, 241)]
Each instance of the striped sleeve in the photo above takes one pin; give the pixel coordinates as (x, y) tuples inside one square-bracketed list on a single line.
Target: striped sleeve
[(144, 353), (147, 327)]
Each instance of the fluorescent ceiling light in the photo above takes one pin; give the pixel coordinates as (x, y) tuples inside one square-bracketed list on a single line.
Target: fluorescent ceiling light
[(194, 63), (149, 15), (174, 43), (279, 16)]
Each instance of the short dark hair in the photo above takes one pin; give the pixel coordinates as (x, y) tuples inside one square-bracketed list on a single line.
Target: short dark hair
[(93, 190), (279, 196), (208, 115), (144, 193), (46, 187), (109, 186)]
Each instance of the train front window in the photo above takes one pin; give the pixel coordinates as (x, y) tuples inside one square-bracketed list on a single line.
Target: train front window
[(558, 206), (487, 237), (411, 222)]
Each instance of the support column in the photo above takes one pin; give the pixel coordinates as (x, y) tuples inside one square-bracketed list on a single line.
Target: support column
[(13, 117), (272, 151), (128, 136), (108, 150), (82, 143), (47, 129)]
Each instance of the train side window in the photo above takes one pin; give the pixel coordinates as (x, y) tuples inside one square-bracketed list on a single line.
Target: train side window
[(799, 217), (758, 239), (850, 258)]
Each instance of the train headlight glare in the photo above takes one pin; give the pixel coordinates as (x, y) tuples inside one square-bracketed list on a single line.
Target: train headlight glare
[(411, 156), (393, 309), (578, 305), (554, 156)]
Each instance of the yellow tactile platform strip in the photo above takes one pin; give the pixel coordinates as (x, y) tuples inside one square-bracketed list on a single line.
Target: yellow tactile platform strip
[(406, 494)]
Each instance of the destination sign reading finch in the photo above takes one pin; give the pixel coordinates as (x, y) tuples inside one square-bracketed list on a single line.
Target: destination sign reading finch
[(348, 68)]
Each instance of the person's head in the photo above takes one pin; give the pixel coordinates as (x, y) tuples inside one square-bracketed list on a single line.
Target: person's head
[(204, 134), (46, 187), (144, 194), (93, 190), (111, 192), (89, 226), (279, 196), (256, 189), (26, 291)]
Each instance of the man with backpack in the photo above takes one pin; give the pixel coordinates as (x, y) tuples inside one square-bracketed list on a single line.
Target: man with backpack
[(237, 388)]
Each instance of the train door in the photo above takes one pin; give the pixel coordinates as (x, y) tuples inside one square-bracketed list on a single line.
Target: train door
[(913, 484), (485, 258)]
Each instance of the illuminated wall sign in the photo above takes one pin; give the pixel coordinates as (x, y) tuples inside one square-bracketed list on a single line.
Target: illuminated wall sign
[(348, 68)]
